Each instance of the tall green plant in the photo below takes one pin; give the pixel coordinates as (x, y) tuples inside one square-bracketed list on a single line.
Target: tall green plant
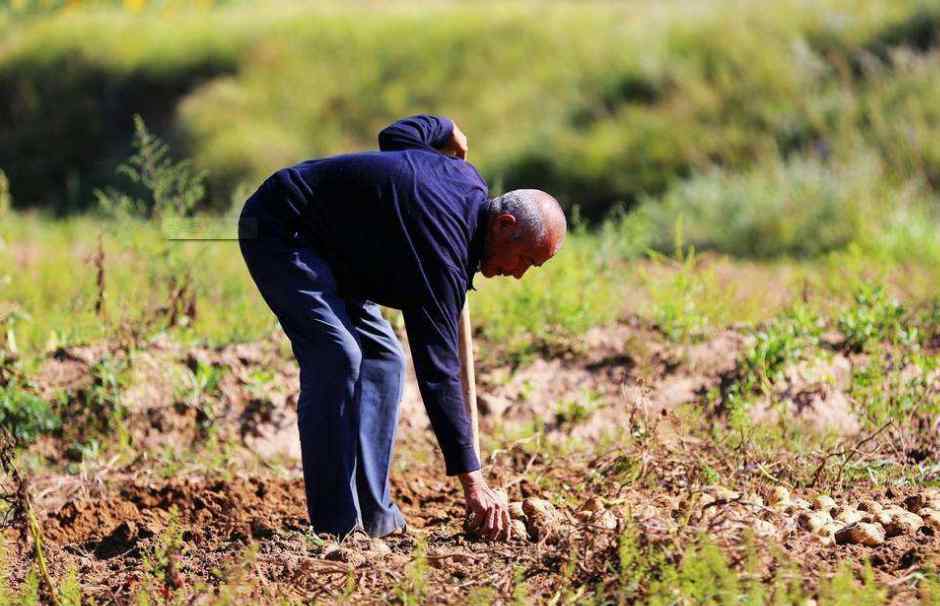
[(169, 187)]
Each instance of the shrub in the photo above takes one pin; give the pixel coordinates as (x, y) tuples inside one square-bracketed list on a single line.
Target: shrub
[(800, 208), (26, 415)]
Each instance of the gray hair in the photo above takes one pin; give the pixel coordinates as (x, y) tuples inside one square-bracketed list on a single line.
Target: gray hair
[(523, 204)]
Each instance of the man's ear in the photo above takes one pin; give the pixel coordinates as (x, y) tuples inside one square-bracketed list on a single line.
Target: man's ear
[(505, 221)]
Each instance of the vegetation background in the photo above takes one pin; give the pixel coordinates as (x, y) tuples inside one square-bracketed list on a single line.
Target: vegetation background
[(790, 132), (725, 163)]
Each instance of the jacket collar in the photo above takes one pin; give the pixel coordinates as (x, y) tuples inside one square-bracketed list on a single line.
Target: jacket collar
[(477, 242)]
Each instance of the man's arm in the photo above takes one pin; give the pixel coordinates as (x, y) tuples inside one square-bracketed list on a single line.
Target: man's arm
[(424, 132), (433, 336)]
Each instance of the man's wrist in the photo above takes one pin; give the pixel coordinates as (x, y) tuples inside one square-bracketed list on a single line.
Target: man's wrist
[(470, 479)]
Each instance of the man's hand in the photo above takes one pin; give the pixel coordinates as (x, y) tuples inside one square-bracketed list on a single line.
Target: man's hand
[(456, 145), (488, 510)]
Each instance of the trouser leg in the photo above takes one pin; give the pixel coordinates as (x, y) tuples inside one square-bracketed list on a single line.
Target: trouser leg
[(381, 379), (299, 288)]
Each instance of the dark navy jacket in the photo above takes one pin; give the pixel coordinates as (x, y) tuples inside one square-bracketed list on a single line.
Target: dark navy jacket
[(404, 227)]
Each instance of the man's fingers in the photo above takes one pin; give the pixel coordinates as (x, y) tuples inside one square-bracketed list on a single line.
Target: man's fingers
[(507, 524), (492, 523)]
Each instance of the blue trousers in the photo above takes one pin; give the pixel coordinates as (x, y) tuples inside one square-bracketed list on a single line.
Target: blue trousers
[(351, 375)]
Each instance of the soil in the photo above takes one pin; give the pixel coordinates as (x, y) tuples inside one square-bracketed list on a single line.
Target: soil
[(214, 485)]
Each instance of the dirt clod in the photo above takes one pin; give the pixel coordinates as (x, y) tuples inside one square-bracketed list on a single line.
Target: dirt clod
[(823, 502), (518, 529), (542, 519), (861, 533)]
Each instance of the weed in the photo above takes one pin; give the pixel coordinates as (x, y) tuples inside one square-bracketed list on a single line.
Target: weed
[(688, 298), (172, 188), (26, 415), (874, 317), (201, 392), (894, 385), (162, 578), (844, 590), (413, 589), (520, 593), (6, 200)]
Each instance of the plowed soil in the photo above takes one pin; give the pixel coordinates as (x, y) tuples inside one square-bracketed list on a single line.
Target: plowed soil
[(206, 499)]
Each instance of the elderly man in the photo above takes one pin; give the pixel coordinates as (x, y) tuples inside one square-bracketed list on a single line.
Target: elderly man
[(327, 241)]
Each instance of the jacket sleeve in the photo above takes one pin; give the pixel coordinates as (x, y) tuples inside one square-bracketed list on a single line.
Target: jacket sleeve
[(416, 132), (432, 335)]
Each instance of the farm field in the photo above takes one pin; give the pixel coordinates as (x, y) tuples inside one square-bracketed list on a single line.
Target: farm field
[(725, 389)]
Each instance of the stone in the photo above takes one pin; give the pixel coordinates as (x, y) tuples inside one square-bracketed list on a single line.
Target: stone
[(931, 517), (518, 529), (813, 520), (724, 494), (800, 504), (515, 510), (823, 503), (753, 500), (542, 519), (780, 494), (604, 519), (830, 528), (764, 529), (903, 522), (870, 505), (915, 503), (337, 553), (593, 504), (379, 547), (848, 515), (861, 533)]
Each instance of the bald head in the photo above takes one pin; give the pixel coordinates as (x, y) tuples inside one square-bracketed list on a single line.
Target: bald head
[(526, 227), (538, 215)]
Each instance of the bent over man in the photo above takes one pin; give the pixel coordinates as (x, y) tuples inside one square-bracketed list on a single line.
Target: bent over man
[(329, 240)]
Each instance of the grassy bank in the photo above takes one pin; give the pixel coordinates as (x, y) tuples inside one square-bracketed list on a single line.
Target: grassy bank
[(603, 104)]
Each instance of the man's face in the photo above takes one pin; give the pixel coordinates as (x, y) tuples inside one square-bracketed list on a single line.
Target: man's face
[(510, 253)]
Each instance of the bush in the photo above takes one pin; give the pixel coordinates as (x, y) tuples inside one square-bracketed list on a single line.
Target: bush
[(800, 208), (25, 415)]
